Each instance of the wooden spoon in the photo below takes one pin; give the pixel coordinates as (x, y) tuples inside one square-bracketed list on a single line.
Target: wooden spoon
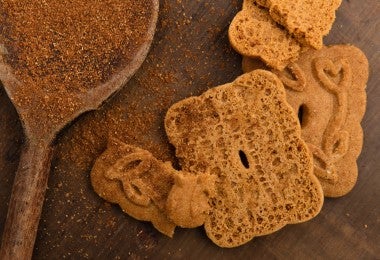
[(59, 59)]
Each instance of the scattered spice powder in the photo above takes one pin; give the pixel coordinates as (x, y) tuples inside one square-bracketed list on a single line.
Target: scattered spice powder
[(186, 59)]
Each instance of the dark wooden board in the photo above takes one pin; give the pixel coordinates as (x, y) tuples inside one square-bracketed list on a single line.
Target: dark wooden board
[(190, 54)]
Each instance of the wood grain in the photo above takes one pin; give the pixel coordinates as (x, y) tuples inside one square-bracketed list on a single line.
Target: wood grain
[(190, 54)]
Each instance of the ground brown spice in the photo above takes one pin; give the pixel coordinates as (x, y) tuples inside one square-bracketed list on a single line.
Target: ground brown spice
[(70, 45), (59, 50)]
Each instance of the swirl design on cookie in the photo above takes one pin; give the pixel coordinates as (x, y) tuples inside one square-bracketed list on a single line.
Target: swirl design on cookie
[(129, 170), (335, 139)]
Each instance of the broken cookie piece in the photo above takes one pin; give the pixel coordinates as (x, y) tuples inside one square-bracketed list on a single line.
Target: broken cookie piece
[(308, 21), (150, 190), (138, 182), (253, 33), (188, 201)]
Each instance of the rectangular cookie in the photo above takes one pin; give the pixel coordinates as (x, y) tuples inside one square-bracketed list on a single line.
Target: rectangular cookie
[(246, 135)]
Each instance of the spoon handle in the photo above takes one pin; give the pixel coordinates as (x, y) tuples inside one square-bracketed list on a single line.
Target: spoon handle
[(26, 201)]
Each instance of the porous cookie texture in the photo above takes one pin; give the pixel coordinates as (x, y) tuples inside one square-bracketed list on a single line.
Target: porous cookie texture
[(248, 137), (327, 90), (151, 190), (254, 33), (138, 182), (308, 21)]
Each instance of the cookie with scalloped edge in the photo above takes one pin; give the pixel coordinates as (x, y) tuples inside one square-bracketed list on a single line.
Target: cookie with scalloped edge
[(327, 90), (246, 135)]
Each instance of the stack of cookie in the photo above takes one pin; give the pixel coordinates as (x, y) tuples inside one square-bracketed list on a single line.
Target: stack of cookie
[(278, 31), (262, 151), (320, 86)]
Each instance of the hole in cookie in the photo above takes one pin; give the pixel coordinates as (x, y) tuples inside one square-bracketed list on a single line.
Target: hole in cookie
[(288, 207), (218, 236), (302, 115), (244, 159)]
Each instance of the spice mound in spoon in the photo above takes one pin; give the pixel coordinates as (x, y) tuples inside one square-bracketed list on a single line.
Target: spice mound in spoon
[(61, 51)]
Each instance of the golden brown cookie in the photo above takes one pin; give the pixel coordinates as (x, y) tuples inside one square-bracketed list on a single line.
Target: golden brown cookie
[(187, 204), (308, 21), (254, 33), (134, 179), (327, 89), (248, 137), (151, 190)]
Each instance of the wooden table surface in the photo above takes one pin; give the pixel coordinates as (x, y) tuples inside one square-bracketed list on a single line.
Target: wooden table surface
[(190, 54)]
